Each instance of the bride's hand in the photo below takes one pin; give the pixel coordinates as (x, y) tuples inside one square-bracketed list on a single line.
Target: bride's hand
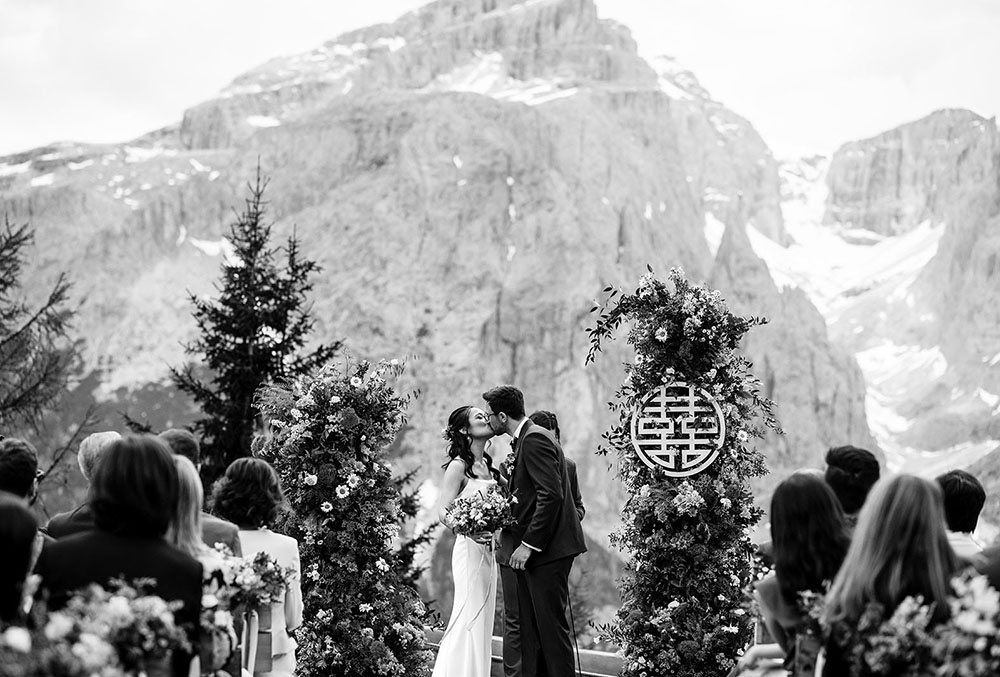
[(483, 538)]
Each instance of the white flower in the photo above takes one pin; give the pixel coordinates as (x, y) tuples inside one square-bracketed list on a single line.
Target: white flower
[(310, 480), (364, 608), (296, 414), (59, 626), (662, 334), (17, 639), (394, 362), (353, 480), (356, 381), (342, 491), (381, 565), (674, 604), (334, 400), (326, 506)]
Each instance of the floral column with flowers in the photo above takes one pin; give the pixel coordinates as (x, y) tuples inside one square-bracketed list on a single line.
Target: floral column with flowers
[(687, 539), (329, 436)]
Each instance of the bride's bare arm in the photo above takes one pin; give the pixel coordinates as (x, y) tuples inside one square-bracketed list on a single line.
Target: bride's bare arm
[(454, 478)]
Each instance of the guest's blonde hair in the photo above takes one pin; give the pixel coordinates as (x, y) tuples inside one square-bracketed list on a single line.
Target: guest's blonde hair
[(185, 528), (899, 548)]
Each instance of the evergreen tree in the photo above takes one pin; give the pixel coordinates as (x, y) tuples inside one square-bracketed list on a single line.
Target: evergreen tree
[(36, 353), (255, 332)]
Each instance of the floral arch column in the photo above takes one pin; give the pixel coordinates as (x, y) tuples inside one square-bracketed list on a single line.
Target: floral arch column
[(685, 525)]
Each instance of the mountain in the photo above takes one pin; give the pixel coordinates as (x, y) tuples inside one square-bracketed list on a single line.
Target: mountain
[(470, 177), (896, 240)]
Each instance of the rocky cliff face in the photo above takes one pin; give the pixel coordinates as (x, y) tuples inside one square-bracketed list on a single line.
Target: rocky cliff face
[(470, 177), (918, 172)]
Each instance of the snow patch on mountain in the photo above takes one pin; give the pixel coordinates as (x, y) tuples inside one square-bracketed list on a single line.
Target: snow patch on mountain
[(487, 75)]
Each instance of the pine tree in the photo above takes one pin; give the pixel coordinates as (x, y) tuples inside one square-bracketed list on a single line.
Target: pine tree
[(255, 332), (36, 353)]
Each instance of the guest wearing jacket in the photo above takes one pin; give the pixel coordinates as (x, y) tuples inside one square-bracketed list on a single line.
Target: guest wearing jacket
[(213, 530), (250, 496), (133, 494), (81, 518)]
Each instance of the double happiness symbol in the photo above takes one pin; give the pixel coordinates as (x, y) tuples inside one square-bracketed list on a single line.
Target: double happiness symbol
[(678, 429)]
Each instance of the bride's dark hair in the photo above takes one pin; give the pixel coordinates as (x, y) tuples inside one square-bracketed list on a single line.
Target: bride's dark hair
[(460, 443)]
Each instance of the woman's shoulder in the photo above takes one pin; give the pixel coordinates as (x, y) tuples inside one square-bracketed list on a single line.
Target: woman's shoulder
[(265, 539)]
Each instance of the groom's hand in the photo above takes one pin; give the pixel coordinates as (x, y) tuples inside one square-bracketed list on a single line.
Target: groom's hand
[(519, 558)]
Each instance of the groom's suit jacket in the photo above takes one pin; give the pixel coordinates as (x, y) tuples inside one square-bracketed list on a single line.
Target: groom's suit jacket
[(545, 511)]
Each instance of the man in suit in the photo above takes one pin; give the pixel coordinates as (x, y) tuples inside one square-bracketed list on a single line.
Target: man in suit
[(19, 476), (213, 530), (547, 535), (508, 579), (92, 448)]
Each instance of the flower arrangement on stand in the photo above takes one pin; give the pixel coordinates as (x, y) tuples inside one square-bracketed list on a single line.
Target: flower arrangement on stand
[(687, 539), (120, 632), (329, 436)]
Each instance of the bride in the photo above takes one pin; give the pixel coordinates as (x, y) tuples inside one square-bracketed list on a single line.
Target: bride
[(467, 642)]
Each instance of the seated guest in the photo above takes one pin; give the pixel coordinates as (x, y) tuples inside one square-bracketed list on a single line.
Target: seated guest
[(19, 477), (133, 494), (18, 529), (964, 498), (250, 496), (91, 450), (810, 538), (213, 530), (899, 549), (851, 472)]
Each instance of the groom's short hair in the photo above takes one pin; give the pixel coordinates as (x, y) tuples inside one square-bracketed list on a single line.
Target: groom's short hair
[(506, 399)]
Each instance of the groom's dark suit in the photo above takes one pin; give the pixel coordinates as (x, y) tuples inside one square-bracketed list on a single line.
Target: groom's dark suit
[(548, 523)]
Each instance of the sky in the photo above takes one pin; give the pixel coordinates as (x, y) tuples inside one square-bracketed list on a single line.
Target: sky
[(809, 74)]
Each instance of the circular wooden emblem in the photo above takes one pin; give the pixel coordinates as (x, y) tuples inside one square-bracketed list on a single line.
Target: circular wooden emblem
[(678, 429)]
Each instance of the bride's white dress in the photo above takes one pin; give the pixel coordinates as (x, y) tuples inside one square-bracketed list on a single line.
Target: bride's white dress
[(465, 647)]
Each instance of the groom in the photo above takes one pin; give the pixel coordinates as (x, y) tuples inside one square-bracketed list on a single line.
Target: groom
[(547, 535)]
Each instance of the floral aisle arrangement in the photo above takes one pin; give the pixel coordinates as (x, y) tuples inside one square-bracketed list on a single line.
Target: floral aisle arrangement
[(687, 539), (330, 433), (483, 511), (120, 632), (910, 642)]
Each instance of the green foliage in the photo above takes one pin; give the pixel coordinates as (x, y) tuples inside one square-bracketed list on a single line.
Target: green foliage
[(682, 612), (36, 353), (253, 333), (363, 616)]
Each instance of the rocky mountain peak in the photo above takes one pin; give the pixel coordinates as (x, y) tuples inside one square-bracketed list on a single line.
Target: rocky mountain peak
[(893, 182)]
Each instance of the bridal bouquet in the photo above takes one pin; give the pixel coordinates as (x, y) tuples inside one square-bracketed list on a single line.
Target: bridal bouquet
[(483, 511)]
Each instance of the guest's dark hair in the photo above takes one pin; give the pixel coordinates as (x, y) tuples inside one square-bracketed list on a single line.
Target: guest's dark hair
[(547, 420), (809, 532), (964, 498), (460, 444), (851, 472), (506, 399), (249, 494), (18, 466), (183, 443), (18, 528), (133, 490)]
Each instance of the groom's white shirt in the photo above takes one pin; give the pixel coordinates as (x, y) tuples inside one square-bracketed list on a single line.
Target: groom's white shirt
[(517, 435)]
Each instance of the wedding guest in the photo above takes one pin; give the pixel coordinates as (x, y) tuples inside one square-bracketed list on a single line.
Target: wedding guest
[(851, 472), (18, 529), (213, 530), (549, 421), (899, 549), (964, 498), (250, 496), (91, 450), (185, 534), (809, 536), (133, 494), (19, 477)]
